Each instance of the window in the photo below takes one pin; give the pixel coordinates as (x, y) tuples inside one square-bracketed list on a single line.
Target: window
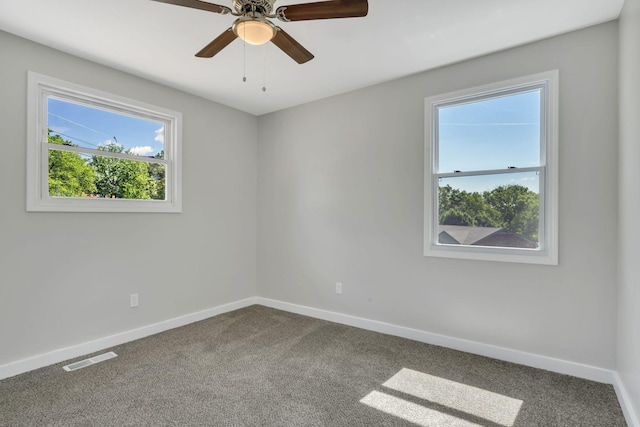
[(89, 151), (491, 172)]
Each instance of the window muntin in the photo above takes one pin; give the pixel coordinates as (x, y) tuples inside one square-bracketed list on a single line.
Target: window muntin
[(91, 151), (490, 190)]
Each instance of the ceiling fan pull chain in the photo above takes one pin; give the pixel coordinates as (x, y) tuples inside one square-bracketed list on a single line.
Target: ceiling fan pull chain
[(264, 68), (244, 59)]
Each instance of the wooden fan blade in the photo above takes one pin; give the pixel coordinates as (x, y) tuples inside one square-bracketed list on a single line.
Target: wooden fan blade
[(291, 47), (218, 44), (197, 4), (323, 10)]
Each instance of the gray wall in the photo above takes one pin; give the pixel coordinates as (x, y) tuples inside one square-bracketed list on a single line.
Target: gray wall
[(629, 286), (340, 200), (66, 278)]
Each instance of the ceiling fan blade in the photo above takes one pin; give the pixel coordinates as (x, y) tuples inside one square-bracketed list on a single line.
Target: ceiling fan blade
[(291, 47), (218, 44), (323, 10), (197, 4)]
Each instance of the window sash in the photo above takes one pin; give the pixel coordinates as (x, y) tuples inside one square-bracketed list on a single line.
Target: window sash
[(469, 99), (542, 220)]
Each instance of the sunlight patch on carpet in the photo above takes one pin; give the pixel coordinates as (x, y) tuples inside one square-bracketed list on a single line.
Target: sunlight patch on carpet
[(460, 398), (413, 412)]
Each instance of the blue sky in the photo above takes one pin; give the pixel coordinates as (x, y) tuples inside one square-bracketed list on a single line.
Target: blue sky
[(92, 127), (494, 133)]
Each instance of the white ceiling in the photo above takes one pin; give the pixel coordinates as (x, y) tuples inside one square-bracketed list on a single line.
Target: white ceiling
[(158, 41)]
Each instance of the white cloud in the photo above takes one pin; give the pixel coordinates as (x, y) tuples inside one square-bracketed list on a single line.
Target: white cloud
[(160, 135), (141, 151)]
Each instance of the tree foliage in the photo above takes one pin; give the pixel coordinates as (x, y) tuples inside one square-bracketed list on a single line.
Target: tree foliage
[(70, 175), (122, 178), (513, 207), (158, 174)]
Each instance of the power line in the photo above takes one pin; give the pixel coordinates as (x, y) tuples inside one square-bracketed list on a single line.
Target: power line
[(76, 139), (77, 124), (81, 125)]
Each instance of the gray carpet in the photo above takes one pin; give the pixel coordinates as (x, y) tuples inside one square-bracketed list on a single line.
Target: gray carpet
[(263, 367)]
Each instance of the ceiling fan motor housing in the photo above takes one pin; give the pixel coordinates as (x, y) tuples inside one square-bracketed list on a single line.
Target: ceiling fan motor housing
[(253, 7)]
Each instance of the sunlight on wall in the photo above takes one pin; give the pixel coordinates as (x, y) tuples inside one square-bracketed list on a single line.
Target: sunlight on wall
[(476, 403)]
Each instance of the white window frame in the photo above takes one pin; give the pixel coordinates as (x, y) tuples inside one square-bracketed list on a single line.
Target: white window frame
[(40, 87), (547, 253)]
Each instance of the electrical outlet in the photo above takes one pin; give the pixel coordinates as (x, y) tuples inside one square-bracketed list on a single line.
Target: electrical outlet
[(338, 288), (133, 301)]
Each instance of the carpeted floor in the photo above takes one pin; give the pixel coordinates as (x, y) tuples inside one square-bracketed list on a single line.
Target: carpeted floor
[(263, 367)]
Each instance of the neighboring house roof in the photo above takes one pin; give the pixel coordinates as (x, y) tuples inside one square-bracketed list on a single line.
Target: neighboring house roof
[(482, 236), (463, 234)]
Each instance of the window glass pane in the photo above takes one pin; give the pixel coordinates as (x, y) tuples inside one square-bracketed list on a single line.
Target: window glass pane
[(493, 133), (80, 175), (91, 127), (490, 210)]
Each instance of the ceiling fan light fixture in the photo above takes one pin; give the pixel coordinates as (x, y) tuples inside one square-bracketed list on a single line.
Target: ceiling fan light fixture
[(254, 31)]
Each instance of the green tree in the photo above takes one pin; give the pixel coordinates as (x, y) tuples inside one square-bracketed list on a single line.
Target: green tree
[(458, 207), (513, 207), (122, 178), (69, 174), (455, 216), (157, 172), (518, 208)]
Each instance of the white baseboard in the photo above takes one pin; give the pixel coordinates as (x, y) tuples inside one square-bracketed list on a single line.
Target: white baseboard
[(625, 402), (542, 362), (62, 354)]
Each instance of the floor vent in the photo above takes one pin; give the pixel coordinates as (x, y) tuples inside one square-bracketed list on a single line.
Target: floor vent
[(91, 361)]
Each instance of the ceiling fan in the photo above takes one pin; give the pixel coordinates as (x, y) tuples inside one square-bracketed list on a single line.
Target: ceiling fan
[(254, 27)]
